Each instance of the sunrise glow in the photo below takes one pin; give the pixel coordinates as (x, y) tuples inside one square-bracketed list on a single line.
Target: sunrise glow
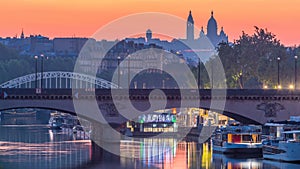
[(55, 18)]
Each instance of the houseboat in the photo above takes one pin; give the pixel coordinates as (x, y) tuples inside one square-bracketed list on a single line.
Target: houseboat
[(238, 140), (283, 150), (283, 142)]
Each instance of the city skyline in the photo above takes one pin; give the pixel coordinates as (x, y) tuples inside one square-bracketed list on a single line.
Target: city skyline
[(82, 19)]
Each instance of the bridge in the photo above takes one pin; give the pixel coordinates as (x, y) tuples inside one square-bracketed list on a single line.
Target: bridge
[(103, 104), (58, 79), (249, 106), (78, 94)]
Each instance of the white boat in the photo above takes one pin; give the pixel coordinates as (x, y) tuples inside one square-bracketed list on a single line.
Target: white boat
[(56, 122), (284, 149), (238, 140), (77, 128)]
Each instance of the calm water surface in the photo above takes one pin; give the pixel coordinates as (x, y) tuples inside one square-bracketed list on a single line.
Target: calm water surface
[(38, 147)]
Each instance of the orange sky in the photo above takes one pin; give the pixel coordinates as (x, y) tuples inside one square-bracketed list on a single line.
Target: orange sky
[(84, 17)]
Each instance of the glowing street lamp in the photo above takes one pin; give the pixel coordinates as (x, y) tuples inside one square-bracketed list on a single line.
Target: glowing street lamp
[(36, 67), (295, 78), (279, 87), (42, 69), (241, 80), (199, 64), (119, 58), (128, 71), (291, 86), (278, 80), (265, 87)]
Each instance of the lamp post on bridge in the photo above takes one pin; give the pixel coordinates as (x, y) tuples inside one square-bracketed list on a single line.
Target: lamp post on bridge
[(42, 69), (212, 76), (36, 67), (118, 58), (241, 80), (128, 71), (278, 78), (199, 73), (295, 78)]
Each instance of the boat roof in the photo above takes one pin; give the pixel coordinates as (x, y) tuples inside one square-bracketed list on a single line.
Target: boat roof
[(291, 132), (275, 124)]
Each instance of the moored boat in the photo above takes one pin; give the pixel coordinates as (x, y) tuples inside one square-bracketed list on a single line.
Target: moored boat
[(283, 149), (56, 122), (238, 140)]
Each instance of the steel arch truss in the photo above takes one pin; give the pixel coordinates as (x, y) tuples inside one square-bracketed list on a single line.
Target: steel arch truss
[(29, 79)]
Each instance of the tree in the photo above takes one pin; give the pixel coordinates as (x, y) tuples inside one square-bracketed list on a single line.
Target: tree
[(253, 58)]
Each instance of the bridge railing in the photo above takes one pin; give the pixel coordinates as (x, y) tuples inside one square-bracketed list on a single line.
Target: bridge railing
[(58, 79), (142, 94)]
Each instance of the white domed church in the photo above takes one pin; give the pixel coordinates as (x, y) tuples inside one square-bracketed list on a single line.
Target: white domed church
[(212, 31)]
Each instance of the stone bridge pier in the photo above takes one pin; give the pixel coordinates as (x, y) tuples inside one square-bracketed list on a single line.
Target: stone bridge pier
[(105, 142)]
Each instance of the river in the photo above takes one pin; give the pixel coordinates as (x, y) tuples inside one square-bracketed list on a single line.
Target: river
[(37, 147)]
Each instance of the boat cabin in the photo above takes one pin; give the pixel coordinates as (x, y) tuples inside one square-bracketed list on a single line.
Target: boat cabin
[(240, 134), (292, 136)]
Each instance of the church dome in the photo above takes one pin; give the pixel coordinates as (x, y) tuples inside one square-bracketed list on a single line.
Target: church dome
[(212, 25)]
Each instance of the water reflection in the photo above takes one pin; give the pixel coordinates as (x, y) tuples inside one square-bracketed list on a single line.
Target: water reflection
[(237, 162), (35, 147), (168, 153)]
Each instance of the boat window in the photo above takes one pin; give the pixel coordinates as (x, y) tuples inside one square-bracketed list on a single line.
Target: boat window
[(234, 138), (218, 136), (256, 138), (297, 137), (289, 136), (224, 137), (247, 138)]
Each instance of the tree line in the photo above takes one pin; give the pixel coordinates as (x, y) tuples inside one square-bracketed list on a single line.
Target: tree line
[(12, 65), (252, 62)]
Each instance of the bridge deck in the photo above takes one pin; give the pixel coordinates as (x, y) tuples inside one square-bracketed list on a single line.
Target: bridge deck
[(136, 94)]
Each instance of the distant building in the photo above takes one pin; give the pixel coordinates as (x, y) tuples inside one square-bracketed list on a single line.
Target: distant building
[(212, 32), (204, 46), (32, 45), (40, 45), (68, 46), (4, 41), (149, 35), (191, 48), (190, 27), (22, 35)]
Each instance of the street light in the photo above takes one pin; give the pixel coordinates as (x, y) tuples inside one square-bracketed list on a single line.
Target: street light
[(118, 58), (278, 80), (291, 86), (128, 71), (36, 67), (241, 80), (42, 69), (199, 64), (279, 87), (212, 76), (295, 78)]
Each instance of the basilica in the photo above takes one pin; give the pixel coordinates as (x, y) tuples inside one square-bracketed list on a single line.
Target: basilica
[(211, 33), (204, 46)]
